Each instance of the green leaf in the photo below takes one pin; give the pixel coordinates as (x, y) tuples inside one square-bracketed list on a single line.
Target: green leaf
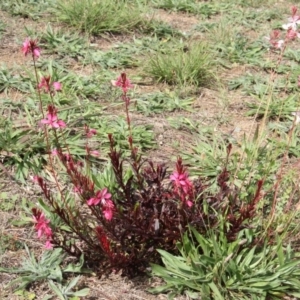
[(217, 294), (56, 290), (72, 283), (82, 292)]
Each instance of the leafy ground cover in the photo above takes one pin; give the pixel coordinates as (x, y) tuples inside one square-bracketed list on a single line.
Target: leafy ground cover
[(153, 149)]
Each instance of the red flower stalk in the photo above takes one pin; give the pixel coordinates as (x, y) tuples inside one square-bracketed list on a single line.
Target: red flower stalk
[(104, 242)]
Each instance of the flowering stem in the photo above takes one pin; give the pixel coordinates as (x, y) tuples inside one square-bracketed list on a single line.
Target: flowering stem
[(38, 90)]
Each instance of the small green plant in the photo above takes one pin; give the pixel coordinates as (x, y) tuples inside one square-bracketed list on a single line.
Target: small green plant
[(259, 84), (160, 29), (47, 268), (191, 6), (211, 267), (14, 141), (58, 42), (240, 50), (116, 58), (65, 291), (26, 8), (7, 201), (277, 107), (178, 5), (183, 65), (2, 28), (156, 103), (10, 81)]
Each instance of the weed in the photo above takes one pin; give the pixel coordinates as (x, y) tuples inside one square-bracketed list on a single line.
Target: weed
[(10, 81), (47, 268), (26, 8), (183, 65), (13, 141), (279, 107), (190, 6), (213, 267), (9, 242), (156, 103), (7, 202), (95, 17), (2, 28), (63, 44)]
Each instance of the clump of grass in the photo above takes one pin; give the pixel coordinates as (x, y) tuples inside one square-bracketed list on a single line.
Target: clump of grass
[(189, 6), (186, 65), (97, 16)]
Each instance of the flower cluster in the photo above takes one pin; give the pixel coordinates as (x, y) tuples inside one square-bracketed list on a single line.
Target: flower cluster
[(47, 86), (42, 227), (275, 40), (52, 119), (104, 198), (291, 32), (30, 46), (122, 82), (181, 183), (293, 21)]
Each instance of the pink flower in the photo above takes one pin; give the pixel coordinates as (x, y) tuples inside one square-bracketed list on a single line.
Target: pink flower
[(48, 245), (294, 10), (39, 180), (54, 152), (42, 227), (275, 34), (91, 132), (123, 82), (30, 46), (78, 189), (104, 198), (181, 180), (292, 34), (292, 23), (35, 178), (183, 187), (95, 152), (278, 44), (57, 86), (108, 209), (274, 39), (101, 196), (46, 84), (189, 203), (52, 119)]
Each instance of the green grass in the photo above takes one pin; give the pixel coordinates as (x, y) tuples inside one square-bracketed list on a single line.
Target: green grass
[(26, 8), (194, 7), (158, 103), (98, 16), (185, 64)]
